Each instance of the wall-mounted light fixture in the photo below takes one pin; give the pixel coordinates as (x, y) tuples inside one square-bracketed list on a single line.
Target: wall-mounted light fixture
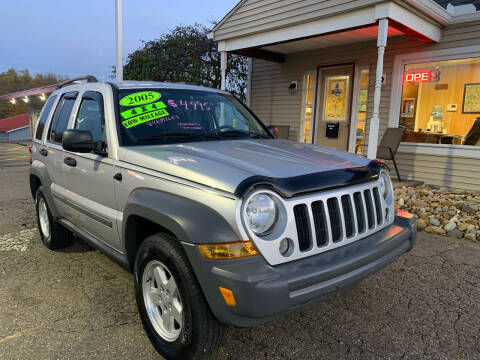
[(293, 87), (42, 97), (13, 101), (25, 99)]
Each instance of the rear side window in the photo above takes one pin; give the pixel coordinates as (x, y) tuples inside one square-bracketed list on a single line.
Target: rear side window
[(91, 115), (61, 116), (44, 116)]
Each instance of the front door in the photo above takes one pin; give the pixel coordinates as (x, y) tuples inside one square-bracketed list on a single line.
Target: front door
[(89, 177), (334, 115)]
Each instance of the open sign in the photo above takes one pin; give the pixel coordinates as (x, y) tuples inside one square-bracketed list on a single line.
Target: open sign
[(421, 76)]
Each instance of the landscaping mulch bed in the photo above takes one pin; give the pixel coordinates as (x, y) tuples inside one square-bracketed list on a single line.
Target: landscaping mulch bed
[(442, 211)]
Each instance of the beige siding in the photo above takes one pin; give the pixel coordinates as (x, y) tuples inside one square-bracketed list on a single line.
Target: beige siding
[(255, 16), (273, 103), (458, 172)]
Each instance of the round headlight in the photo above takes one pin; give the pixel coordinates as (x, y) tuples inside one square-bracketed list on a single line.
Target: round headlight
[(261, 213), (385, 184)]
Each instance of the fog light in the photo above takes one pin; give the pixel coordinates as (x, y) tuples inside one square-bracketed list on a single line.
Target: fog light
[(286, 247)]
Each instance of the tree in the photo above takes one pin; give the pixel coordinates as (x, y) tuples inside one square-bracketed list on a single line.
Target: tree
[(14, 80), (186, 54)]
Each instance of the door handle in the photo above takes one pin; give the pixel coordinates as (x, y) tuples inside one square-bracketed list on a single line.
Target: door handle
[(43, 152), (70, 161)]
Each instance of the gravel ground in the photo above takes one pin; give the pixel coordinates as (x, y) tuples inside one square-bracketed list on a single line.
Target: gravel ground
[(77, 304)]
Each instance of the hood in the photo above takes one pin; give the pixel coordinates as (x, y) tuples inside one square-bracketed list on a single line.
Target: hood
[(225, 164)]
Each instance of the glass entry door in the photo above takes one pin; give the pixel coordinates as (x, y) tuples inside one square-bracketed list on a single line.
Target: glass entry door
[(335, 88)]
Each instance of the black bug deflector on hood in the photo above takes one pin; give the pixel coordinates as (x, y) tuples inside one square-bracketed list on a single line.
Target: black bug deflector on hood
[(320, 181)]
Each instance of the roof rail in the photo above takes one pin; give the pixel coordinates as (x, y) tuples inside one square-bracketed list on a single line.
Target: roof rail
[(89, 78)]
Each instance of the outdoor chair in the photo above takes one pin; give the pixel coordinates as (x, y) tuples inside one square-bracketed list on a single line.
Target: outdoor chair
[(388, 146), (280, 131), (473, 136)]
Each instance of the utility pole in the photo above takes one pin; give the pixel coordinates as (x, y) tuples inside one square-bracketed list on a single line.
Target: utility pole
[(119, 39)]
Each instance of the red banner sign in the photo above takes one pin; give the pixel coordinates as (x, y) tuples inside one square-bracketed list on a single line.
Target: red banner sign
[(421, 76)]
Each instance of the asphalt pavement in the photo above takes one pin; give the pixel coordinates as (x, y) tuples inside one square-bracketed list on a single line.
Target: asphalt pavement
[(77, 304), (14, 154)]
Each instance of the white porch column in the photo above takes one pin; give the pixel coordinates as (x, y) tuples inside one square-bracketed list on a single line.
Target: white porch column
[(374, 122), (223, 68)]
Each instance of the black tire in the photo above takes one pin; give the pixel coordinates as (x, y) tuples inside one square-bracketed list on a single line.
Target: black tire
[(201, 333), (59, 237)]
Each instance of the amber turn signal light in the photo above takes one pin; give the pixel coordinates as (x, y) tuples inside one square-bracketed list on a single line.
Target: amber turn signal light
[(228, 296), (404, 214), (233, 250)]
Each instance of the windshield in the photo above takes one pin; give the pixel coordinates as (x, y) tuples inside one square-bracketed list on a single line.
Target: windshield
[(157, 116)]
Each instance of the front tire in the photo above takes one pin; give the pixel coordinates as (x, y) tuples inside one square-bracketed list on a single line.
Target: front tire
[(54, 236), (172, 307)]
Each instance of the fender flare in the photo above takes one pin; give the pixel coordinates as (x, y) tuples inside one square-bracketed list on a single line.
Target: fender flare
[(188, 220), (39, 170)]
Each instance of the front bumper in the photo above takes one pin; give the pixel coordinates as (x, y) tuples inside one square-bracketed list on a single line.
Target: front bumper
[(263, 291)]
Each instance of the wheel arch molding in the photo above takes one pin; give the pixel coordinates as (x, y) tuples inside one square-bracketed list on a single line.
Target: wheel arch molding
[(186, 219), (39, 176)]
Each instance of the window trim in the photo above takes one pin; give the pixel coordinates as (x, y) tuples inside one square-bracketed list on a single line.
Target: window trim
[(55, 98), (91, 95), (68, 96)]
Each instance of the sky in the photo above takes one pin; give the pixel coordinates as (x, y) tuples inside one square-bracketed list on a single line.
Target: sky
[(73, 38)]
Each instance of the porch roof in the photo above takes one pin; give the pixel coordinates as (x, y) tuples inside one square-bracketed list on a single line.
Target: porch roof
[(262, 29)]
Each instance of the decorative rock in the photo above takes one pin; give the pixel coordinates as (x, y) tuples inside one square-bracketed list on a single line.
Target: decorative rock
[(450, 226), (470, 236), (446, 203), (420, 204), (452, 212), (421, 224), (468, 209), (455, 233), (435, 230), (441, 210)]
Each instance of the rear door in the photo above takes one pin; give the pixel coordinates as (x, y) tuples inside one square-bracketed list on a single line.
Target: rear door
[(39, 150), (55, 154), (89, 177)]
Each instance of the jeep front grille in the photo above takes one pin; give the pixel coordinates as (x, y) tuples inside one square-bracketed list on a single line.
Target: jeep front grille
[(345, 218), (326, 220)]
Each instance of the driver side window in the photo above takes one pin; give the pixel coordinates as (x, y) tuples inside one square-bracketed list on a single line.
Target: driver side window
[(91, 115)]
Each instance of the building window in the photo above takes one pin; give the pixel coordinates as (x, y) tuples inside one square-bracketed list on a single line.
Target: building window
[(362, 110), (441, 102), (307, 107)]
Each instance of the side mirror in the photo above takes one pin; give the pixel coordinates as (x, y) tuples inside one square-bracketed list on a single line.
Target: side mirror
[(273, 130), (80, 141)]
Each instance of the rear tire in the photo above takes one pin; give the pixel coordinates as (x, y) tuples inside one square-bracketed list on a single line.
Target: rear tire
[(54, 236), (166, 288)]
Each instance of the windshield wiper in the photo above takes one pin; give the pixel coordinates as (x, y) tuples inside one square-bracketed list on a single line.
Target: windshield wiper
[(241, 133)]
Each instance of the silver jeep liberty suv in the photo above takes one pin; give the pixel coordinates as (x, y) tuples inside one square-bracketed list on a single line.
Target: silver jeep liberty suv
[(220, 223)]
